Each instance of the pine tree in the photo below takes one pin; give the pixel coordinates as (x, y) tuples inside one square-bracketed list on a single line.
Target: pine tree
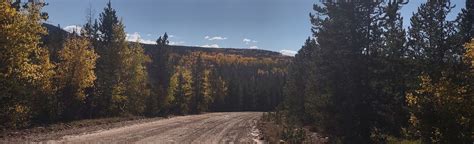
[(466, 22), (163, 41), (198, 75), (337, 93), (430, 38), (118, 67), (439, 106), (296, 83), (392, 74), (75, 73)]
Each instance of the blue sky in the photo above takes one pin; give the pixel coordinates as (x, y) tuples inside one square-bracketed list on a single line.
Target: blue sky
[(264, 24)]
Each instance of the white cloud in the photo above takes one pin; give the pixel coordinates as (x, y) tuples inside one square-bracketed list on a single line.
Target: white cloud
[(73, 28), (133, 37), (248, 41), (211, 46), (215, 38), (136, 37), (218, 38), (171, 36), (288, 52), (176, 43), (254, 47), (147, 41)]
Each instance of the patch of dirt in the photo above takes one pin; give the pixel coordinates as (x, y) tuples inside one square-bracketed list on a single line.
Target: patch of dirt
[(229, 127), (205, 128), (57, 131)]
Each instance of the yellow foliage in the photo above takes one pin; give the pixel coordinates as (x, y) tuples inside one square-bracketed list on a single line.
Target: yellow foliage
[(25, 71), (444, 100), (76, 66), (470, 53), (20, 115)]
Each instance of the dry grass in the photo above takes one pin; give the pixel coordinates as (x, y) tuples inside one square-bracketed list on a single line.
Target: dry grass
[(275, 130)]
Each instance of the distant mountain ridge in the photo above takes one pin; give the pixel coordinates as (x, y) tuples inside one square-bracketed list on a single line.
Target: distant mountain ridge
[(189, 49)]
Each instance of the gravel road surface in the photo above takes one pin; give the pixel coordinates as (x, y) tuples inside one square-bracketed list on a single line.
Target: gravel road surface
[(228, 127)]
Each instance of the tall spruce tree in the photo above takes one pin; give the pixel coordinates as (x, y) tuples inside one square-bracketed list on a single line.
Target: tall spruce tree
[(392, 74), (466, 22), (340, 90), (160, 79), (106, 70), (295, 87), (118, 68), (440, 105), (198, 75)]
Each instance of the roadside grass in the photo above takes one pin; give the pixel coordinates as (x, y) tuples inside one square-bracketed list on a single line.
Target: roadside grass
[(276, 129)]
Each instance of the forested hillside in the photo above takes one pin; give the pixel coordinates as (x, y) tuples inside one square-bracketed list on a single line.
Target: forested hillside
[(229, 79), (48, 75), (364, 78)]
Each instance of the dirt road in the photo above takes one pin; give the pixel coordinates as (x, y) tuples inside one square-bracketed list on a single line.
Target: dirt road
[(205, 128)]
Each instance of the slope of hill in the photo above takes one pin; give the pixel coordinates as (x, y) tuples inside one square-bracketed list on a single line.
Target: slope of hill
[(237, 79), (252, 79)]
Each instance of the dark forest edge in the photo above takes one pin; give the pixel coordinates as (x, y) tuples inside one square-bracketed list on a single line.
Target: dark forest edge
[(364, 78), (50, 76)]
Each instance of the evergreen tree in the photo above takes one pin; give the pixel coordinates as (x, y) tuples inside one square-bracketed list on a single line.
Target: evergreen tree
[(338, 92), (440, 104), (466, 22), (392, 74), (296, 84), (160, 73), (430, 38), (198, 74), (118, 68), (163, 41)]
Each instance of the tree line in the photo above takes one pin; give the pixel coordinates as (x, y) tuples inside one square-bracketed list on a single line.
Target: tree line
[(364, 78), (48, 75), (207, 80)]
